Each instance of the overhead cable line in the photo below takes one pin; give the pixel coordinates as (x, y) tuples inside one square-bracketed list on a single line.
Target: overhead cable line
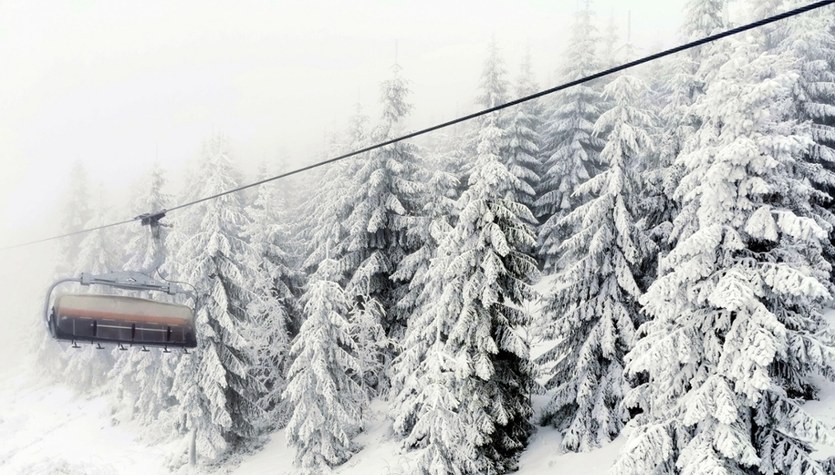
[(73, 233), (474, 115)]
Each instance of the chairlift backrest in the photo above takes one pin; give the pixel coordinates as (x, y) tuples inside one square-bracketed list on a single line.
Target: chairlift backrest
[(124, 320)]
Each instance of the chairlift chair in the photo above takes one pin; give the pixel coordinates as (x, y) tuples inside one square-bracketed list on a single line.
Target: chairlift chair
[(98, 318)]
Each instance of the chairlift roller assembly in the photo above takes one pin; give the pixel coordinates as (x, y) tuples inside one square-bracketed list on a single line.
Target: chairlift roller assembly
[(122, 319)]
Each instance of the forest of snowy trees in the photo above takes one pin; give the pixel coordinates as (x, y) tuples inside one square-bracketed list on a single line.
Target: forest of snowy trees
[(651, 253)]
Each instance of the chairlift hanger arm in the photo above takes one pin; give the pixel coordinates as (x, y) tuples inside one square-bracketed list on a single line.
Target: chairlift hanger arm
[(49, 294)]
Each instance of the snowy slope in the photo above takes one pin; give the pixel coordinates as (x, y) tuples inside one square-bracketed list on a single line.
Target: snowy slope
[(49, 429), (381, 455)]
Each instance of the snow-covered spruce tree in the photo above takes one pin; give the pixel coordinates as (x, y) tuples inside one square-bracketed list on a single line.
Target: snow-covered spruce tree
[(371, 344), (418, 268), (423, 381), (215, 386), (466, 407), (273, 306), (446, 145), (438, 213), (493, 88), (521, 155), (592, 310), (154, 400), (702, 18), (76, 215), (155, 370), (324, 216), (325, 399), (49, 354), (570, 149), (611, 55), (135, 373), (811, 40), (384, 198), (331, 231), (688, 74), (520, 147), (151, 196), (87, 367), (328, 209), (735, 329)]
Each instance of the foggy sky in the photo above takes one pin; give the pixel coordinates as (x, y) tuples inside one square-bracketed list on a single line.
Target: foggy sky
[(118, 84)]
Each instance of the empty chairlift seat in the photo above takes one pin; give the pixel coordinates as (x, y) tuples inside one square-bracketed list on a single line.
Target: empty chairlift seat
[(128, 320)]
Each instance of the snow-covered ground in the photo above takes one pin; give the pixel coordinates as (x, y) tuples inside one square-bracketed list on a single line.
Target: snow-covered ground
[(48, 429), (381, 455), (51, 430)]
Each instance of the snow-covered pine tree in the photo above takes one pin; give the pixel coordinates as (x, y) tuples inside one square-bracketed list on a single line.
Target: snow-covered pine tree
[(610, 55), (371, 343), (155, 405), (521, 155), (151, 196), (49, 354), (493, 88), (76, 214), (87, 367), (331, 233), (702, 18), (327, 211), (735, 333), (422, 379), (466, 407), (215, 387), (273, 306), (446, 145), (325, 399), (570, 149), (142, 380), (438, 214), (688, 73), (385, 195), (520, 147), (810, 38), (592, 309), (417, 269)]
